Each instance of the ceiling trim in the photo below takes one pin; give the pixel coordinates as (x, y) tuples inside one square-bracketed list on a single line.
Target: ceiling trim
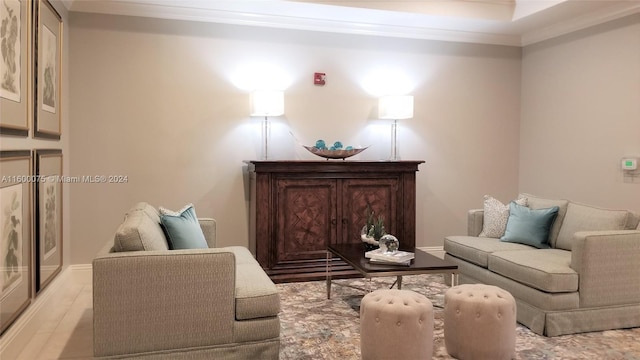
[(323, 18)]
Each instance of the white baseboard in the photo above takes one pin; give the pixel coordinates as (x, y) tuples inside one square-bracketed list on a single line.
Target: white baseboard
[(16, 338), (82, 274), (437, 251)]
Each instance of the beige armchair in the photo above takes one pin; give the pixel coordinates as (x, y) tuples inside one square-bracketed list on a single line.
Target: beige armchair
[(178, 304)]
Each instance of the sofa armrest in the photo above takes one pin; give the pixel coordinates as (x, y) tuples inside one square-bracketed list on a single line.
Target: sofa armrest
[(159, 300), (208, 227), (607, 267), (475, 218)]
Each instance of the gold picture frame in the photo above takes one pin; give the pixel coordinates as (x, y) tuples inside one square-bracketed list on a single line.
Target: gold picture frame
[(15, 235), (48, 215), (15, 31), (47, 71)]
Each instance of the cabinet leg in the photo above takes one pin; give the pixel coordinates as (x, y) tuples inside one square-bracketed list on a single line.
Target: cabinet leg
[(328, 270)]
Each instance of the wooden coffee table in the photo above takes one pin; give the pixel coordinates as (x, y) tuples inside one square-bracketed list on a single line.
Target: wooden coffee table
[(424, 263)]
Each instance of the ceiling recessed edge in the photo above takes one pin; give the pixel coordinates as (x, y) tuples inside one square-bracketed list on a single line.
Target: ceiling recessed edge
[(580, 22)]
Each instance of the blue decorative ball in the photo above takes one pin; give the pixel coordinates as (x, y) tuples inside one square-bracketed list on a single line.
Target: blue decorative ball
[(337, 145), (349, 147), (320, 144)]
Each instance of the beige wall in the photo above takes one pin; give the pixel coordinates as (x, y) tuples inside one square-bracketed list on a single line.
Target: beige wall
[(164, 103), (581, 115)]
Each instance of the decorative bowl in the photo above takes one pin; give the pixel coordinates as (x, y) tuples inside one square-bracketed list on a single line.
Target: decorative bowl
[(334, 154)]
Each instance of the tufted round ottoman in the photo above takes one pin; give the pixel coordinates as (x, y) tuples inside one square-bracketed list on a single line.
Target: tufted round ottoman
[(396, 324), (479, 322)]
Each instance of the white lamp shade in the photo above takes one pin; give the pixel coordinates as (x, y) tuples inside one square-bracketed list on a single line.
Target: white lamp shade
[(267, 103), (395, 107)]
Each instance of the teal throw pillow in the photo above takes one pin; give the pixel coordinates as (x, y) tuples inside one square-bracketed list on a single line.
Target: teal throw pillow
[(182, 229), (529, 226)]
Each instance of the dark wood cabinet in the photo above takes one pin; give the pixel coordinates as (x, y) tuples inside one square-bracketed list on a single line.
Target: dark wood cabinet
[(299, 207)]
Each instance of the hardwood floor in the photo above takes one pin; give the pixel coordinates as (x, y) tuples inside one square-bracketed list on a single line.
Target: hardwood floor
[(67, 333)]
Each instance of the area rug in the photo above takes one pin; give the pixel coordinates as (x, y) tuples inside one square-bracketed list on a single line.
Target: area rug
[(313, 327)]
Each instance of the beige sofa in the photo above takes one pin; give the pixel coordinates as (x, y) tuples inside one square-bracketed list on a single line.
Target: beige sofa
[(150, 302), (588, 280)]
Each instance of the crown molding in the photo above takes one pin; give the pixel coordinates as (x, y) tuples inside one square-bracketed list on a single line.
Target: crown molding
[(324, 18)]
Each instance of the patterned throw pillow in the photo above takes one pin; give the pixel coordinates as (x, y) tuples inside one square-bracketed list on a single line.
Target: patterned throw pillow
[(496, 215)]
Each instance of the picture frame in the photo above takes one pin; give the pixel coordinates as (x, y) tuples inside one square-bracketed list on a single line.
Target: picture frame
[(15, 235), (48, 215), (15, 31), (47, 71)]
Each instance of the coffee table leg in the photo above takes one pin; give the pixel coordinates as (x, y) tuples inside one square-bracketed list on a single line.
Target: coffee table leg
[(328, 275), (399, 282), (454, 279)]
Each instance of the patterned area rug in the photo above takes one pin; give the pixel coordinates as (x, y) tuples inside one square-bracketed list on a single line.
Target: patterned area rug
[(313, 327)]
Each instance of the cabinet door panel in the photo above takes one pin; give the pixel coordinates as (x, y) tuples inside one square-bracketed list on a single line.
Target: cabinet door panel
[(306, 218), (380, 195)]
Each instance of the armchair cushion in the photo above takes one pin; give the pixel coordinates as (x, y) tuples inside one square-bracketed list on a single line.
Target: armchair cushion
[(139, 232), (182, 229), (256, 295)]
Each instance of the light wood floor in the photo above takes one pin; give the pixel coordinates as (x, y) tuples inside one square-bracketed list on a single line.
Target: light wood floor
[(67, 333)]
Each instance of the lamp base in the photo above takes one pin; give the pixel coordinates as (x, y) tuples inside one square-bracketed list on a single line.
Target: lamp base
[(266, 129), (394, 141)]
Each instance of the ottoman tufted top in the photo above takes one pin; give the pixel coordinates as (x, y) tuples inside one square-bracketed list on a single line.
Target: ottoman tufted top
[(494, 298), (401, 303)]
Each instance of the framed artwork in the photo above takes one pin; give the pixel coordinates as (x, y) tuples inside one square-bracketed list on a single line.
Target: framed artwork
[(15, 235), (14, 66), (48, 216), (48, 67)]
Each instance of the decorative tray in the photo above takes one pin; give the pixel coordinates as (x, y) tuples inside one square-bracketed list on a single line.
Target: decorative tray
[(334, 154)]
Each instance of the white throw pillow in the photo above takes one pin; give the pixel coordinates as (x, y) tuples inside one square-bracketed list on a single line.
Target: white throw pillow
[(496, 215)]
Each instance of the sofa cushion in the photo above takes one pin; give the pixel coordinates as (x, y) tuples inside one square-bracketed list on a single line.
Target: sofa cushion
[(495, 216), (182, 228), (529, 226), (138, 232), (256, 295), (535, 202), (581, 217), (548, 270), (476, 249)]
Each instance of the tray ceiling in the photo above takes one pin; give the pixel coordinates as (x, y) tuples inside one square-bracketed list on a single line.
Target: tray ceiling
[(501, 22)]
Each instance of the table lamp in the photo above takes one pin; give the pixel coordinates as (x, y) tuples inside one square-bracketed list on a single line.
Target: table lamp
[(266, 103), (395, 107)]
